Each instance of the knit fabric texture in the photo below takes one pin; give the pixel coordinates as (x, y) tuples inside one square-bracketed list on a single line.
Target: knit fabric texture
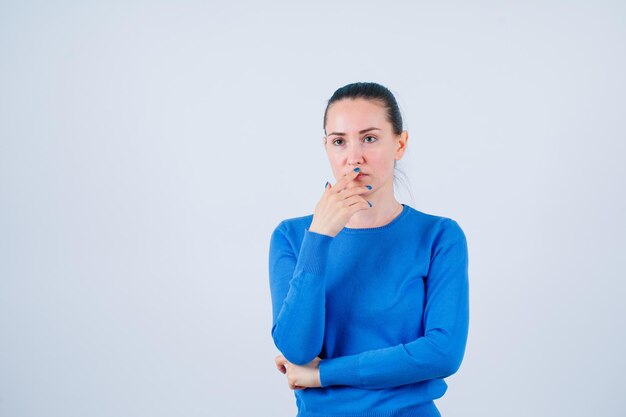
[(385, 308)]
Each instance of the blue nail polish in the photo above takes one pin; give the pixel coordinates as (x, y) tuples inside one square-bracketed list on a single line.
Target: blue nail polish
[(369, 187), (356, 169), (369, 203), (326, 184)]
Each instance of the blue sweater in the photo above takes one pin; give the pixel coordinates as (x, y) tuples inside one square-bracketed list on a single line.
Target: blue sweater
[(385, 308)]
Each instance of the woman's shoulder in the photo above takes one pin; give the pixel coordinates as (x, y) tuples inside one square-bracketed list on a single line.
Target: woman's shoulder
[(291, 225), (296, 221), (435, 223)]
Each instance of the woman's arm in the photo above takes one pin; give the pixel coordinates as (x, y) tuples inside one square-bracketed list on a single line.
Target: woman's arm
[(298, 293), (438, 354)]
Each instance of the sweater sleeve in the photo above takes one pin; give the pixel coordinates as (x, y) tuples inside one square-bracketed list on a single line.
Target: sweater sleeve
[(437, 354), (298, 294)]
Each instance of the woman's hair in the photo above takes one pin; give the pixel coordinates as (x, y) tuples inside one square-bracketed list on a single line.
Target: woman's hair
[(375, 92), (370, 91)]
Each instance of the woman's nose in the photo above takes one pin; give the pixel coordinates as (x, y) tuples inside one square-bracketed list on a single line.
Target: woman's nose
[(355, 154)]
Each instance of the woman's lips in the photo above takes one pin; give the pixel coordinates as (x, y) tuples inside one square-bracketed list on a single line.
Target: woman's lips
[(358, 177)]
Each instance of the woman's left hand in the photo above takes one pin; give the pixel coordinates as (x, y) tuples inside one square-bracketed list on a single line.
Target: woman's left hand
[(300, 377)]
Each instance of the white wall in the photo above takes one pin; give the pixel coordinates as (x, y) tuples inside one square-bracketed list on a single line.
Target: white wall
[(148, 149)]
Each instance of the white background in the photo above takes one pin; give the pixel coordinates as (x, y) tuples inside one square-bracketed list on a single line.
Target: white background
[(149, 148)]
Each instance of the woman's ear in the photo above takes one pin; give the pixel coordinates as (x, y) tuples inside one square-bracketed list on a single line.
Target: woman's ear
[(324, 140), (402, 142)]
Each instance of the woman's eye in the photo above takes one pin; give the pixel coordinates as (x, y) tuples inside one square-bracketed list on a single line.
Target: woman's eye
[(370, 137), (335, 141)]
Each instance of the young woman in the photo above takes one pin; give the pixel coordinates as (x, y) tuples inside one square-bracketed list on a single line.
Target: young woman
[(370, 297)]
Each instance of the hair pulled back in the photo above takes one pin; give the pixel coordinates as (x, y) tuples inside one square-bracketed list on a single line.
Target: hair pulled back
[(369, 91)]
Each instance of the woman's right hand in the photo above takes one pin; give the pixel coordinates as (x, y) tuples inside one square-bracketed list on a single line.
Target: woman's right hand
[(337, 205)]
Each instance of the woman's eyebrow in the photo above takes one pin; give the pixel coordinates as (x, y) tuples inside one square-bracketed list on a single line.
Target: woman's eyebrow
[(362, 131)]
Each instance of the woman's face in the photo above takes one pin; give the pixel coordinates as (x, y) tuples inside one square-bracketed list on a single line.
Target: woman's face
[(359, 134)]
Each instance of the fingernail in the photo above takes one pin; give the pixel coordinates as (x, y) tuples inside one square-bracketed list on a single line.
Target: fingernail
[(369, 203), (369, 187), (326, 184), (356, 169)]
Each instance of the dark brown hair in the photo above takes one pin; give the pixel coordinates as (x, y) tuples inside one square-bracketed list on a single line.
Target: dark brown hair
[(370, 91)]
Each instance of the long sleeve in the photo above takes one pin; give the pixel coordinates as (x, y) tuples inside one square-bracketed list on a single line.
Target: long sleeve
[(298, 294), (437, 354)]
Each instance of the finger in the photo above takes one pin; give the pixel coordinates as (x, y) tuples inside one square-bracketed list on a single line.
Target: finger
[(345, 180), (356, 203), (295, 386), (355, 190), (280, 362), (348, 178), (328, 188)]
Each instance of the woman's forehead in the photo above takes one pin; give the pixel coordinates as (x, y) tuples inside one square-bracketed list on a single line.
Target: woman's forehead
[(348, 116)]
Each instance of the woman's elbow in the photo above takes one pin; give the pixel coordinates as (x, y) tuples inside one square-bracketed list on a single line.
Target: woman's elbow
[(299, 358), (296, 353), (448, 352), (451, 362)]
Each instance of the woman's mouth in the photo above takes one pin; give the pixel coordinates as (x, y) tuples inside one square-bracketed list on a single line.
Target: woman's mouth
[(358, 177)]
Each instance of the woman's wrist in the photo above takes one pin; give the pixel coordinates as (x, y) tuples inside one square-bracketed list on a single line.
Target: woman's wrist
[(319, 231)]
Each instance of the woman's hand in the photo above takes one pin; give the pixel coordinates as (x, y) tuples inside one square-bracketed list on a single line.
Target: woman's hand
[(300, 377), (338, 204)]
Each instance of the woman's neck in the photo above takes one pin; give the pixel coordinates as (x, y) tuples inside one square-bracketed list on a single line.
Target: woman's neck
[(382, 212)]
